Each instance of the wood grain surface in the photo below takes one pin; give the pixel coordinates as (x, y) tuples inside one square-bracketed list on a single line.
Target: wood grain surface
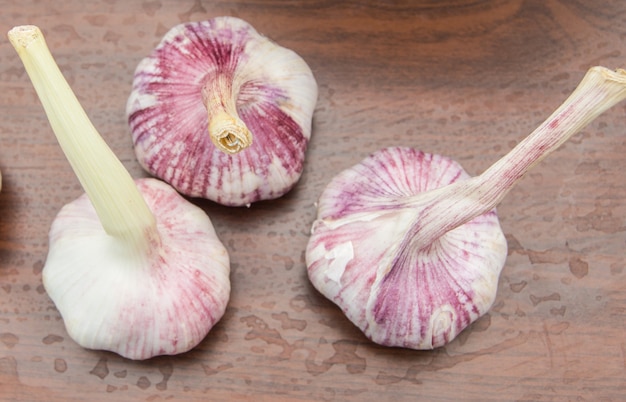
[(467, 79)]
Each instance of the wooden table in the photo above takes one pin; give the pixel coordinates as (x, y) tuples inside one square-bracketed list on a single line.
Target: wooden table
[(466, 79)]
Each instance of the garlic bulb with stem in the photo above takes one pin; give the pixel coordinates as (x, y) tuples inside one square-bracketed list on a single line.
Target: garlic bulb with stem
[(221, 112), (132, 266), (409, 246)]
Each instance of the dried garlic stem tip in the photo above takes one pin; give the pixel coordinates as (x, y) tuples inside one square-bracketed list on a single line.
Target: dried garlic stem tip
[(452, 206), (227, 131), (121, 208)]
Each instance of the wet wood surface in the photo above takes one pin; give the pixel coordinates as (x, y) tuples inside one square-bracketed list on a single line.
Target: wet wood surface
[(465, 79)]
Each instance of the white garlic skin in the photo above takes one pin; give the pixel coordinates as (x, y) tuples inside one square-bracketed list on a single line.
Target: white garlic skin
[(275, 95), (113, 298), (360, 254)]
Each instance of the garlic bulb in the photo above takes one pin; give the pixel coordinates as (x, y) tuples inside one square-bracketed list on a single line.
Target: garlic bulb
[(361, 253), (409, 246), (132, 267), (221, 112), (113, 296)]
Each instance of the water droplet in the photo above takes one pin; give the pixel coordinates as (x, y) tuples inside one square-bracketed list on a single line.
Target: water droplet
[(101, 370), (166, 370), (552, 297), (289, 323), (9, 339), (38, 267), (60, 366), (143, 382), (212, 371), (558, 311), (578, 267), (8, 370), (50, 339), (517, 287)]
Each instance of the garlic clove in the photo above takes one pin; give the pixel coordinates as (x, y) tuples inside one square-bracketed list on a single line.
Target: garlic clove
[(112, 297), (360, 254), (132, 267), (221, 112)]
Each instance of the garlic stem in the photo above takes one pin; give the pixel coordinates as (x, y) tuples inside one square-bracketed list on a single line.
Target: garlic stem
[(451, 206), (112, 191), (227, 131)]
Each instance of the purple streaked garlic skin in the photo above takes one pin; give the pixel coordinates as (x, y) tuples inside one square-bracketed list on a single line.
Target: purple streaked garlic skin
[(409, 246), (361, 257), (139, 306), (223, 113)]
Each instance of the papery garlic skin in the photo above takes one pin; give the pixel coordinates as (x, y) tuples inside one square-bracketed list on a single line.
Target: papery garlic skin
[(211, 67), (360, 254), (113, 298)]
